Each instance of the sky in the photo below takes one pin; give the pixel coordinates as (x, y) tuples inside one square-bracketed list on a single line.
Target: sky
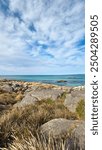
[(42, 37)]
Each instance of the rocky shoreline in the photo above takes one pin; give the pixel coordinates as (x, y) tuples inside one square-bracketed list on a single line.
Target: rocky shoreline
[(63, 107)]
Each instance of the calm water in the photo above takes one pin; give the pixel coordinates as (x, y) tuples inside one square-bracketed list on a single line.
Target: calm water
[(70, 80)]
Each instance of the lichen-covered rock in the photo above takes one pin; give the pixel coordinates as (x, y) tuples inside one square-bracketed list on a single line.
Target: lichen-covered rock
[(72, 99)]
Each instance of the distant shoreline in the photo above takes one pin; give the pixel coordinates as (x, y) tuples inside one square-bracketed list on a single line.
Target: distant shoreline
[(41, 84), (61, 80)]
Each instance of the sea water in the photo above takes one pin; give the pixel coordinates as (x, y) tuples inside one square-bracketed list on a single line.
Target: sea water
[(62, 80)]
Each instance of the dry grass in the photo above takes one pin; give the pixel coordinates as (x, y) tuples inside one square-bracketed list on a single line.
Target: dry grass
[(33, 143), (18, 122), (10, 98), (80, 110), (7, 100), (19, 127)]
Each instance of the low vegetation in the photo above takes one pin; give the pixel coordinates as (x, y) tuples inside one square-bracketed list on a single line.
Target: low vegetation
[(33, 143), (80, 110), (10, 98), (18, 122), (19, 127)]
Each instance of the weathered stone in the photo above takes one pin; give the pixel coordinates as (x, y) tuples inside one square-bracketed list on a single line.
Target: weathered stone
[(72, 132), (78, 93), (47, 93), (57, 128), (78, 137), (72, 99), (40, 94), (7, 88), (27, 100)]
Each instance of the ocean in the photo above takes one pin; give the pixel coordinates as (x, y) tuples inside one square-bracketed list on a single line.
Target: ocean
[(62, 80)]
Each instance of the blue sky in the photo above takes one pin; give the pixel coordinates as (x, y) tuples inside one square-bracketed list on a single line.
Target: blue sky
[(42, 37)]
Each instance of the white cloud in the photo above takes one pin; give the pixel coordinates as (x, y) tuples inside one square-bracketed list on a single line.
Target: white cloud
[(50, 44)]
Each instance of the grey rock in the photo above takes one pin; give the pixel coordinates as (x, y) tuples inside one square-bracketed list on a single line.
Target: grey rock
[(78, 137), (46, 93), (76, 93), (16, 87), (7, 88), (57, 128), (27, 100), (76, 140), (71, 131), (72, 99), (19, 87), (38, 95)]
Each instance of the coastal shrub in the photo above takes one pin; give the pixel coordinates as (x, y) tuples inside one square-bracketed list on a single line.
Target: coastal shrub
[(19, 121), (80, 110)]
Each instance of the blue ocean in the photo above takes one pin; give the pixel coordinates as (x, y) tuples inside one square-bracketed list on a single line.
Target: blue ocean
[(62, 80)]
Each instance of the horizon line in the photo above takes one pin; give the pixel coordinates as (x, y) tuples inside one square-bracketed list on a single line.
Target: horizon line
[(41, 74)]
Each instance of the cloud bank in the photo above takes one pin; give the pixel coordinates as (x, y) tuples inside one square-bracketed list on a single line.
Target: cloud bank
[(42, 36)]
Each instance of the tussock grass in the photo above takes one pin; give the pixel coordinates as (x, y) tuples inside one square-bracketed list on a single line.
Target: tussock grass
[(10, 98), (19, 127), (19, 121), (33, 143), (80, 110)]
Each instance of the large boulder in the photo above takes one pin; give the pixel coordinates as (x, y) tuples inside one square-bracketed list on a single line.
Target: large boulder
[(71, 132), (40, 94), (78, 136), (46, 93), (57, 128), (72, 99)]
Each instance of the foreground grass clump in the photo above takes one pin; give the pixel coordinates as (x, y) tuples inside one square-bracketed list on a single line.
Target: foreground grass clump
[(19, 121), (10, 98), (7, 100), (33, 143), (80, 110)]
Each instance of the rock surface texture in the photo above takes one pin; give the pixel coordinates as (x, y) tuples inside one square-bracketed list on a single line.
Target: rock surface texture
[(72, 99), (40, 94), (70, 130), (78, 136), (57, 127)]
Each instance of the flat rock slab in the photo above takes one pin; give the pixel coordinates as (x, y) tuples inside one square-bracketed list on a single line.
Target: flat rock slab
[(40, 94), (72, 99), (47, 93)]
